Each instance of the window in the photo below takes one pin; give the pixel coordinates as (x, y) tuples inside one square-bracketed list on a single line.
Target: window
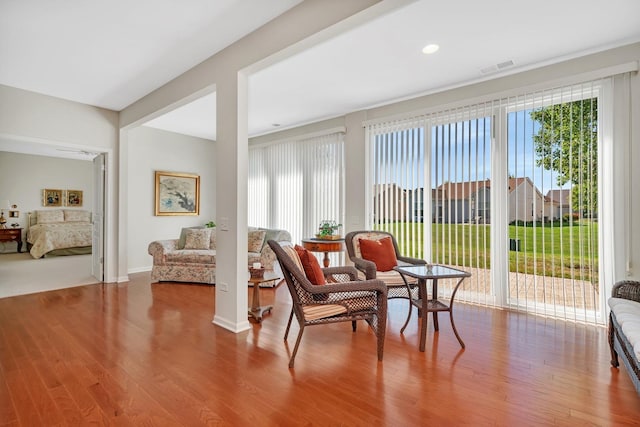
[(506, 190), (295, 184)]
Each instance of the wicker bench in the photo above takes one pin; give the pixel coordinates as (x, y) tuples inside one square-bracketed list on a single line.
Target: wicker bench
[(624, 328)]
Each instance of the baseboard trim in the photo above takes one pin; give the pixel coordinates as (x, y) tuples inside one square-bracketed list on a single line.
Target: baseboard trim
[(231, 326), (139, 270)]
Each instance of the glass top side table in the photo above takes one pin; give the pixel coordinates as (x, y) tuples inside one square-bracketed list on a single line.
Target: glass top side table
[(425, 305)]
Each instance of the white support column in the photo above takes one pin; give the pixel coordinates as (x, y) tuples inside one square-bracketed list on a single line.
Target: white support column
[(355, 173), (499, 197), (231, 202), (615, 183), (122, 212), (633, 232)]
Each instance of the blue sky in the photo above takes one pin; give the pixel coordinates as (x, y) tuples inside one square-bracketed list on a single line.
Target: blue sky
[(462, 152)]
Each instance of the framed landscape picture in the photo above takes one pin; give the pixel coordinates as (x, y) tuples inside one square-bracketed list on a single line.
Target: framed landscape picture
[(74, 198), (51, 197), (177, 193)]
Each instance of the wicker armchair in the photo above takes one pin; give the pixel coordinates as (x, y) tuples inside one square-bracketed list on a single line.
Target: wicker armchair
[(625, 313), (398, 287), (343, 299)]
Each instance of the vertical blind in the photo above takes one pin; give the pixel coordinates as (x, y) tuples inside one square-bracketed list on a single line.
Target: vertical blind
[(520, 169), (397, 168), (553, 143), (425, 174), (295, 184)]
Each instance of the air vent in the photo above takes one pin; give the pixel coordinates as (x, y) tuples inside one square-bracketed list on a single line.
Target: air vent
[(498, 67)]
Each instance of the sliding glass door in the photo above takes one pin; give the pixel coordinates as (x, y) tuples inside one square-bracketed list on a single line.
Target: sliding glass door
[(553, 203), (506, 190)]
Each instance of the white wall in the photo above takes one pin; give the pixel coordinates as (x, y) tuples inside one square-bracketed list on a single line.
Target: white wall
[(29, 116), (44, 118), (38, 117), (226, 71), (626, 233), (24, 176), (150, 150)]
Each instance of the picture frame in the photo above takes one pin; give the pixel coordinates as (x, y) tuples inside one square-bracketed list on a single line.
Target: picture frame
[(73, 198), (177, 193), (52, 197)]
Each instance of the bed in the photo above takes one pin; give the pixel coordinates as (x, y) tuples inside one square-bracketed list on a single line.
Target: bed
[(59, 232)]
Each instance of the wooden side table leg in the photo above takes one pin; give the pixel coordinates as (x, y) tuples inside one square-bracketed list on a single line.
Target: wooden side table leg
[(255, 301), (255, 310), (325, 260)]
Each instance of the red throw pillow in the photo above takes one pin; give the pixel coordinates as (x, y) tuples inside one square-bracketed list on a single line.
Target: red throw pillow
[(381, 252), (311, 266)]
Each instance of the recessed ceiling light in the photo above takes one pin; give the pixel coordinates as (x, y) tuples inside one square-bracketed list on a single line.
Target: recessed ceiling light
[(275, 125), (430, 48)]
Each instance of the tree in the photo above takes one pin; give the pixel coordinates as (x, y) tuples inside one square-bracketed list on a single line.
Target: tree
[(567, 142)]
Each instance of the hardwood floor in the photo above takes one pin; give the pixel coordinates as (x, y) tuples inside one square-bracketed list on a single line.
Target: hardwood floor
[(148, 354)]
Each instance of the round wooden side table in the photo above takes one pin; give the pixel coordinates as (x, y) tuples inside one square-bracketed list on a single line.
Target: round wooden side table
[(322, 245)]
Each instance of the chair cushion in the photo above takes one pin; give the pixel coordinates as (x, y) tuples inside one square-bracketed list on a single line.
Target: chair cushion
[(627, 314), (357, 302), (320, 311), (197, 238), (189, 256), (381, 252), (369, 235), (293, 254), (393, 278), (311, 266)]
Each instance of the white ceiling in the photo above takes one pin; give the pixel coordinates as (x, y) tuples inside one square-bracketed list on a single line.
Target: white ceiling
[(112, 53)]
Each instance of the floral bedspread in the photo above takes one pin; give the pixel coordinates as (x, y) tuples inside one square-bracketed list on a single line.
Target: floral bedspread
[(58, 235)]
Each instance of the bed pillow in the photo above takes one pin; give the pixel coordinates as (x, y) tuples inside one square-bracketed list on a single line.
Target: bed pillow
[(381, 252), (197, 238), (47, 217), (77, 216)]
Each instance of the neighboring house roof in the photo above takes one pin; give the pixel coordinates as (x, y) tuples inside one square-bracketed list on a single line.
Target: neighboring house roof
[(513, 183), (516, 182), (464, 190), (461, 190), (550, 201), (437, 193), (563, 197)]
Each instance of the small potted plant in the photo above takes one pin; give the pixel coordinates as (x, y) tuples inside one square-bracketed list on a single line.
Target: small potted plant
[(327, 230), (210, 224)]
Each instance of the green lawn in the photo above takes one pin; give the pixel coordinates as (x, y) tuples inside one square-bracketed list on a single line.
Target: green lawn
[(569, 251)]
